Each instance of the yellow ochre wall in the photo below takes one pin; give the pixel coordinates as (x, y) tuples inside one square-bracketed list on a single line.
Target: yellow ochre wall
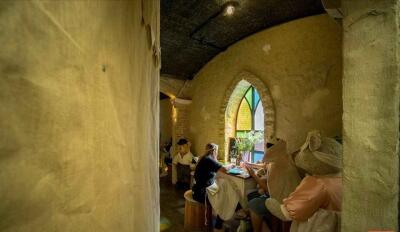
[(300, 64)]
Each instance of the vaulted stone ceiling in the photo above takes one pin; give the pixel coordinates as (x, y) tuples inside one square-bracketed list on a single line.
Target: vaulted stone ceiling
[(194, 31)]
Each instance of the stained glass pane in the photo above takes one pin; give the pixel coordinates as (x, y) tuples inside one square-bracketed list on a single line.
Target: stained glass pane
[(258, 156), (256, 97), (259, 118), (243, 121), (249, 97), (259, 146), (240, 134)]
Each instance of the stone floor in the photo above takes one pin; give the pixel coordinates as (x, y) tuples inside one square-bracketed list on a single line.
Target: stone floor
[(172, 206)]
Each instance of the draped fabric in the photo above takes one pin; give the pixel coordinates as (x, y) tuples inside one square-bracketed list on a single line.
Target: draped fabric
[(78, 116), (224, 197), (314, 192), (320, 155), (320, 221), (283, 177)]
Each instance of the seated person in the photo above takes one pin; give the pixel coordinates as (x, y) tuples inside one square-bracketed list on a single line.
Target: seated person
[(260, 176), (204, 176), (279, 180), (183, 163), (256, 200)]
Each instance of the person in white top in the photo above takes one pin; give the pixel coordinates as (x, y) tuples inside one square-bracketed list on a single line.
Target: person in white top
[(183, 163)]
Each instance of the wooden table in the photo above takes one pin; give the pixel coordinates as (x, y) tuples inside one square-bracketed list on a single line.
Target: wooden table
[(243, 182)]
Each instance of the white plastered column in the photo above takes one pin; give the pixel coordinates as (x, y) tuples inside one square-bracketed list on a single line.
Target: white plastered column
[(371, 115)]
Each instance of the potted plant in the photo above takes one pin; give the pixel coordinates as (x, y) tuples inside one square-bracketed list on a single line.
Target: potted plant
[(246, 144)]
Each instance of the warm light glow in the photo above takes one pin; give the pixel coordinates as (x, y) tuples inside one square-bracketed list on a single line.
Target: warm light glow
[(229, 10), (174, 114)]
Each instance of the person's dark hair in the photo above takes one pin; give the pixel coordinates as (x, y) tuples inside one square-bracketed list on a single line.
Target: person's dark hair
[(182, 141)]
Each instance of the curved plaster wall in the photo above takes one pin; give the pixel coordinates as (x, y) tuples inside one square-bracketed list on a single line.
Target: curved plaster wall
[(299, 62)]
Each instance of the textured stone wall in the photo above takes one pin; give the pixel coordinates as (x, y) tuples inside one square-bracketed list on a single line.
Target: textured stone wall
[(180, 120), (371, 115), (79, 114), (300, 64), (228, 121)]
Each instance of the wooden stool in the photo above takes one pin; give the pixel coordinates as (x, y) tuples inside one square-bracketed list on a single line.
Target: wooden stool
[(194, 214)]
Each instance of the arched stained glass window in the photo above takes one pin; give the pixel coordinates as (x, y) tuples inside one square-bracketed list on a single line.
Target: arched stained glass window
[(250, 117), (259, 118), (243, 121)]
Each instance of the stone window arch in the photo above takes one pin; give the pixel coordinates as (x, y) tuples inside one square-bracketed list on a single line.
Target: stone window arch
[(230, 105)]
